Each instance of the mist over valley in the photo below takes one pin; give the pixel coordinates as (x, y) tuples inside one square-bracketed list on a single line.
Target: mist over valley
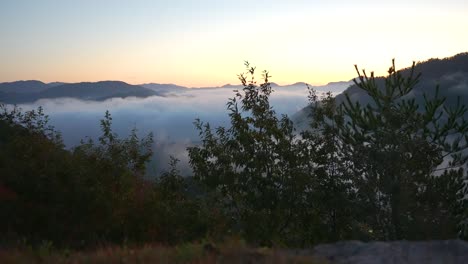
[(166, 110)]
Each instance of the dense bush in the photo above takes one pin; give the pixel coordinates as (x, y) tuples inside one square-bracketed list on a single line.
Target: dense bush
[(257, 166), (409, 159), (392, 169), (93, 194)]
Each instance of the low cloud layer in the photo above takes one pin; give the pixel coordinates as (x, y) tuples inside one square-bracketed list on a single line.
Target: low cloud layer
[(169, 118)]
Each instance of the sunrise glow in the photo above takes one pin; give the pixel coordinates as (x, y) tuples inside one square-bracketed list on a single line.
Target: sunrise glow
[(204, 43)]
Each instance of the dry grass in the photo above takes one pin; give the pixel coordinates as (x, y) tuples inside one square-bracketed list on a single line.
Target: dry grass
[(230, 252)]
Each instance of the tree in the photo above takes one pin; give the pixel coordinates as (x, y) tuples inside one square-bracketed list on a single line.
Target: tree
[(112, 172), (256, 165), (87, 195), (397, 147), (181, 215), (333, 195)]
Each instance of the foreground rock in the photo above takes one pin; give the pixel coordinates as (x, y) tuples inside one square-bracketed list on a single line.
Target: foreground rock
[(447, 252), (444, 252)]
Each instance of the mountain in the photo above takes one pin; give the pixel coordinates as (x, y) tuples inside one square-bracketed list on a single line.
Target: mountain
[(31, 91), (97, 91), (232, 86), (53, 84), (451, 74), (22, 87), (164, 88), (334, 87), (21, 92)]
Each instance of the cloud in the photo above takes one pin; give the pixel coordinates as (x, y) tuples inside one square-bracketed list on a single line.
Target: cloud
[(169, 118)]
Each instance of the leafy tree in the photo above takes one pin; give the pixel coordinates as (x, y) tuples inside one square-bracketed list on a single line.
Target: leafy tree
[(397, 147), (255, 165), (181, 215), (67, 197), (121, 154), (334, 195), (32, 165), (91, 195), (112, 172)]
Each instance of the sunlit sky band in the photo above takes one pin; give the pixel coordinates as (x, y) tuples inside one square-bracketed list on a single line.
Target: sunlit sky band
[(204, 43)]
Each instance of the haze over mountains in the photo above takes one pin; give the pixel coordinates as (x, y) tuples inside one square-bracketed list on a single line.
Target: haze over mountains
[(21, 92), (169, 110), (31, 91)]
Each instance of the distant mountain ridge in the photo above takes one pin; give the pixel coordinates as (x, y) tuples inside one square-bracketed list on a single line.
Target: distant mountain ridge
[(164, 88), (30, 86), (97, 91), (31, 91), (21, 92)]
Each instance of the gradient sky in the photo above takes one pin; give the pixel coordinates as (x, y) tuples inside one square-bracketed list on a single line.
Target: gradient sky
[(205, 42)]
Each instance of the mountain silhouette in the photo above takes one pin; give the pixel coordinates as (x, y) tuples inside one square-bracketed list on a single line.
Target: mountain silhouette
[(451, 74), (27, 92), (164, 89), (23, 87)]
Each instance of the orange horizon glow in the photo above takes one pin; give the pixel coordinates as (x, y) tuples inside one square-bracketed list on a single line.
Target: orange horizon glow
[(205, 45)]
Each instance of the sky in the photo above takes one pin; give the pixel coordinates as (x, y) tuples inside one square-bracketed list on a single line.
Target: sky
[(205, 43)]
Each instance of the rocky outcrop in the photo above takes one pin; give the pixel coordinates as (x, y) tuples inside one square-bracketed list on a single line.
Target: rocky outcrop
[(428, 252)]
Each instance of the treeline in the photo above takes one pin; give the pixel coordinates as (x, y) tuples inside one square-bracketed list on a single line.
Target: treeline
[(393, 169), (95, 194)]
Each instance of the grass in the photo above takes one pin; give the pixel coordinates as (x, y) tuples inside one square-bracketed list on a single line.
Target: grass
[(230, 252)]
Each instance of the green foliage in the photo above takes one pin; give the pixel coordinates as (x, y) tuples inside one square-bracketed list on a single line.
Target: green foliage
[(93, 194), (112, 172), (181, 215), (255, 166), (33, 166), (34, 122), (333, 185), (393, 169), (130, 153), (396, 147)]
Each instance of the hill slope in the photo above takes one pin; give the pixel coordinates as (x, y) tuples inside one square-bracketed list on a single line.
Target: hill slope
[(451, 74)]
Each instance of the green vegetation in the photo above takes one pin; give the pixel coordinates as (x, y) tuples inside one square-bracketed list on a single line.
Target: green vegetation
[(396, 147), (256, 168), (393, 169), (94, 194)]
